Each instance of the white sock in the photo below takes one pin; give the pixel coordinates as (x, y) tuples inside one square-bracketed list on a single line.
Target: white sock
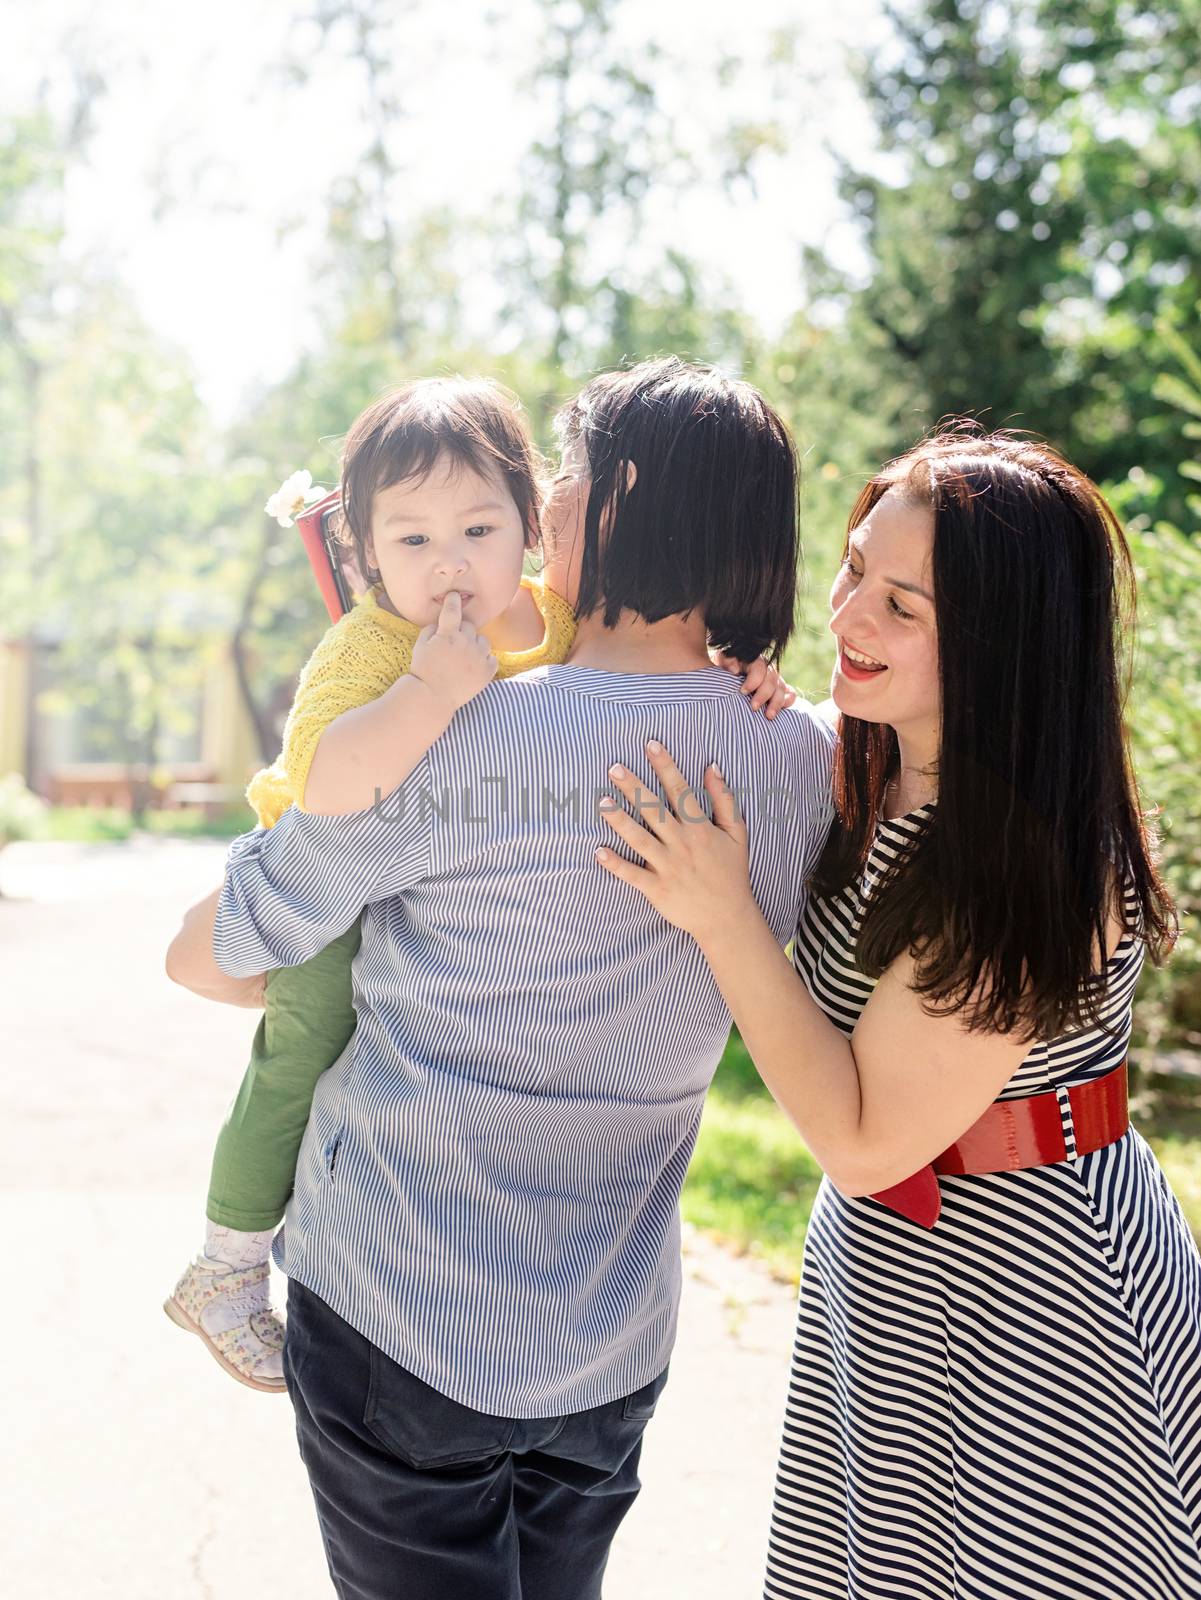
[(234, 1248)]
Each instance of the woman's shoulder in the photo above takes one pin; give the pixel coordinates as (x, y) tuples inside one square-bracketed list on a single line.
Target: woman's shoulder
[(1124, 925), (804, 724), (893, 842)]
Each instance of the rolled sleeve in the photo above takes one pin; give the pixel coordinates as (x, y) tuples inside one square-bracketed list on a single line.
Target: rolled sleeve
[(289, 890)]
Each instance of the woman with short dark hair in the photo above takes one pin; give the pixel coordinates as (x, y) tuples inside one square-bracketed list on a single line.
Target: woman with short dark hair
[(483, 1239), (711, 529), (996, 1387)]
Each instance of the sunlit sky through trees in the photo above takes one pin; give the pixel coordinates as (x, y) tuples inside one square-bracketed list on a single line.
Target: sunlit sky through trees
[(219, 131)]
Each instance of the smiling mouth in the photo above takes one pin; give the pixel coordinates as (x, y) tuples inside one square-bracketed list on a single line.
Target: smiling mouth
[(855, 664)]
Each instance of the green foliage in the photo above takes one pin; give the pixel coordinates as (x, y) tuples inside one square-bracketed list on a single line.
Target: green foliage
[(1032, 224), (22, 813), (593, 164), (1166, 716), (1165, 722), (1030, 234), (107, 499), (751, 1180)]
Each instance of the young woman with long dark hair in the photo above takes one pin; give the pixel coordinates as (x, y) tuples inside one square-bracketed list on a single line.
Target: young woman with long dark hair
[(996, 1387)]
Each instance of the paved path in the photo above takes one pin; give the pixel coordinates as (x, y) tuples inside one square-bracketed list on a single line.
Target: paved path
[(133, 1468)]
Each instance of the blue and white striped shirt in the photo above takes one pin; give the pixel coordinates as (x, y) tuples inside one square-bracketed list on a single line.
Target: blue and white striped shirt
[(488, 1188)]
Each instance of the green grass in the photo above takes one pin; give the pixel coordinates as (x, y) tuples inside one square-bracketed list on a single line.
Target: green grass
[(86, 825), (1174, 1133), (82, 825), (752, 1182), (192, 825), (1180, 1159)]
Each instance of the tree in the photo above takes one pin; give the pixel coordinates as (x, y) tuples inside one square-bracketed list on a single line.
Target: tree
[(1034, 219), (588, 173), (115, 577), (32, 160), (364, 206), (137, 582), (588, 282), (1166, 713)]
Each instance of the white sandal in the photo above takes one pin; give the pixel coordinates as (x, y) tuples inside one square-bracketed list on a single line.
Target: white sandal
[(228, 1310)]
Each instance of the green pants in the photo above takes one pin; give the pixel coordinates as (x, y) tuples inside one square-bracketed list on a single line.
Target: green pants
[(307, 1022)]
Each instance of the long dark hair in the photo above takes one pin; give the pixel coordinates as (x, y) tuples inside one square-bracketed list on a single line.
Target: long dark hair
[(711, 520), (1005, 894)]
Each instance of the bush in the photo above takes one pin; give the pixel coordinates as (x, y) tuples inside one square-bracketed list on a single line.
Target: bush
[(1165, 723), (22, 813), (1166, 713)]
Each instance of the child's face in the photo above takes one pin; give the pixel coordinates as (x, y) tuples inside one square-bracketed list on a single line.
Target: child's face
[(453, 529)]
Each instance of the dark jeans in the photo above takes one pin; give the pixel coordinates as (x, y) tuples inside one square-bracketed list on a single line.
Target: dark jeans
[(420, 1498)]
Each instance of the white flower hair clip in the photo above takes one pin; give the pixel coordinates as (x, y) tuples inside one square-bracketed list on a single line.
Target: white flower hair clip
[(291, 498)]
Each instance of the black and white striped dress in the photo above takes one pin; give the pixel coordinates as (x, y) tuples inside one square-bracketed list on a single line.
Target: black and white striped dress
[(1009, 1404)]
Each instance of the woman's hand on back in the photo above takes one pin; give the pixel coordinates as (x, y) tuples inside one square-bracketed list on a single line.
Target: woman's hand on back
[(761, 681), (695, 871)]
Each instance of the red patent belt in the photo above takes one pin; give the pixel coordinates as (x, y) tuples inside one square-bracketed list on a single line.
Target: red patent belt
[(1018, 1133)]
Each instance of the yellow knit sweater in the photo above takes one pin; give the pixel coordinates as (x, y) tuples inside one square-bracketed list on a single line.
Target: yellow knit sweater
[(360, 657)]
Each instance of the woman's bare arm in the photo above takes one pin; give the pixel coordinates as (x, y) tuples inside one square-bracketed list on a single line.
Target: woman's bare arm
[(190, 961), (874, 1108)]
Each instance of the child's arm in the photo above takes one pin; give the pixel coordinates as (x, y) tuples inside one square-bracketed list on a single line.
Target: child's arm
[(359, 756), (366, 752), (763, 682)]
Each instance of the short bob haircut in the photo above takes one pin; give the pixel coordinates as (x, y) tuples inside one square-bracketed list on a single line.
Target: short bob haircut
[(472, 421), (1004, 899), (710, 522)]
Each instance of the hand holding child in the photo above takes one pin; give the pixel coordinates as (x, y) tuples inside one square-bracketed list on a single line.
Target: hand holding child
[(768, 691), (451, 657)]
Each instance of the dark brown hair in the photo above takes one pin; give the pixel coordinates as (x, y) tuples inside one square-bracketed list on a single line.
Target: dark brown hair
[(1005, 895), (473, 421), (709, 523)]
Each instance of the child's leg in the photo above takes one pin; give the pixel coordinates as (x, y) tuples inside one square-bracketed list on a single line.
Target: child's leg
[(307, 1022), (224, 1295)]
